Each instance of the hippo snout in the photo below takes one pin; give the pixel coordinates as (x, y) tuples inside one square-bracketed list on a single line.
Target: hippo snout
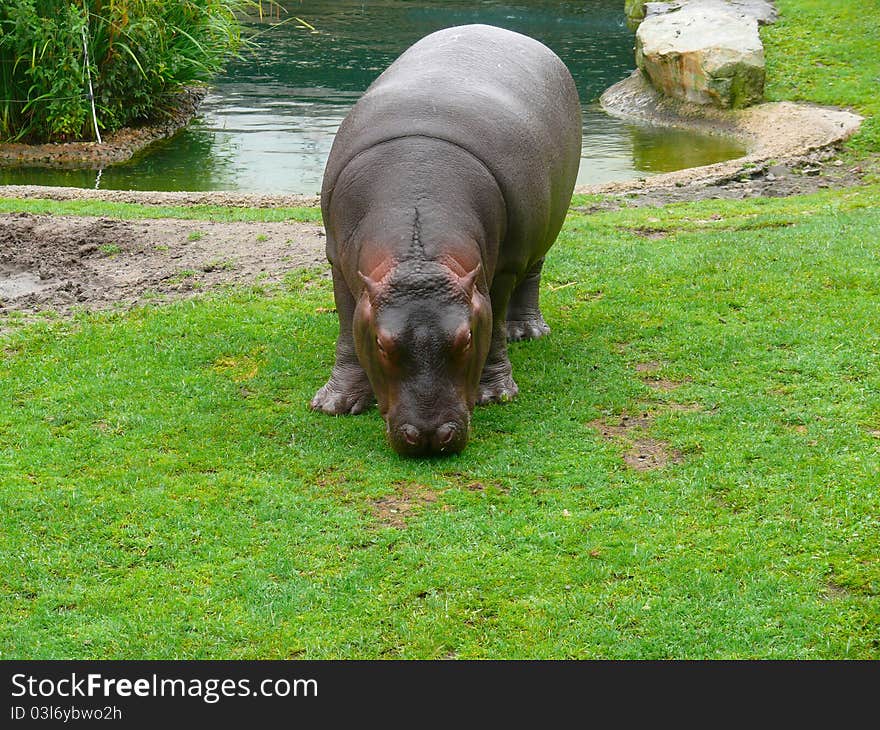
[(410, 439)]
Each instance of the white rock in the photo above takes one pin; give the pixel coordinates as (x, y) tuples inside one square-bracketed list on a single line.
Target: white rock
[(704, 54)]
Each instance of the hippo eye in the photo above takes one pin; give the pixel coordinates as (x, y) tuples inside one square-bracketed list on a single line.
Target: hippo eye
[(384, 344), (467, 341)]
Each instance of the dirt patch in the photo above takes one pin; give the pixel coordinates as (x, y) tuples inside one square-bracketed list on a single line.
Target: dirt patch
[(663, 384), (800, 175), (647, 454), (687, 408), (653, 234), (393, 510), (492, 487), (61, 262), (644, 453), (835, 590), (650, 377), (624, 428)]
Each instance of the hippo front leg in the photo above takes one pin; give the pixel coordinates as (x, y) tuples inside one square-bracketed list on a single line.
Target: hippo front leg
[(349, 389), (496, 383)]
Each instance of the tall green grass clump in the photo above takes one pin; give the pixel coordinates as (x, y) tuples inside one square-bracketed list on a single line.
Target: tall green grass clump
[(141, 53)]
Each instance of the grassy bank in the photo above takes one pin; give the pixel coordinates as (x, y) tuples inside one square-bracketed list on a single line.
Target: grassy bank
[(132, 55), (166, 492), (826, 52)]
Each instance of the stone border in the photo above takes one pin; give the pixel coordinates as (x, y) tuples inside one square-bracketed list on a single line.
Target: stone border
[(771, 132), (117, 146)]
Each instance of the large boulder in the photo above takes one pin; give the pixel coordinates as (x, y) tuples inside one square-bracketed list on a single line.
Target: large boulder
[(703, 53), (764, 11)]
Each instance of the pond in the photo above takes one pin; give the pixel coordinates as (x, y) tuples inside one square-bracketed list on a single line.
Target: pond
[(268, 122)]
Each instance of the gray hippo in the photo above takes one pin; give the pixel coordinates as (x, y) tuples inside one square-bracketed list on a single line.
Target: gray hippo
[(446, 184)]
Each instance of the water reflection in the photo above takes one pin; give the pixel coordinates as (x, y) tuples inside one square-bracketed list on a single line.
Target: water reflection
[(269, 121)]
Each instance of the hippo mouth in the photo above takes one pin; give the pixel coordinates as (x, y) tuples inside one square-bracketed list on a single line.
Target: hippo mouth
[(449, 437)]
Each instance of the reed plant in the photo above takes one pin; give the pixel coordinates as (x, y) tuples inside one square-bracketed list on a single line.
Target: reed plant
[(139, 54)]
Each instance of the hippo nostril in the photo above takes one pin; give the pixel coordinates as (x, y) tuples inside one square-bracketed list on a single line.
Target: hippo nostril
[(445, 434), (410, 433)]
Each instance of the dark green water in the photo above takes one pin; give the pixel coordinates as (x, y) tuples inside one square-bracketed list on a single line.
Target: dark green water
[(268, 123)]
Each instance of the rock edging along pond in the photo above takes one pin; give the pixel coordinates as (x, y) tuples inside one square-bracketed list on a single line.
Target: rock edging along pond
[(116, 147), (772, 131)]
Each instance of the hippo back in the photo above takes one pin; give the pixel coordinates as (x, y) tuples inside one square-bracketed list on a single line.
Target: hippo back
[(503, 97)]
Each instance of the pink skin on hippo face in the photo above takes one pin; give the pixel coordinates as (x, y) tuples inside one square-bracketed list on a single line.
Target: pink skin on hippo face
[(423, 347)]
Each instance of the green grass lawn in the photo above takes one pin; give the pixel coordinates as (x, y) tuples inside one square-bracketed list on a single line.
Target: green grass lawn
[(167, 493), (37, 206)]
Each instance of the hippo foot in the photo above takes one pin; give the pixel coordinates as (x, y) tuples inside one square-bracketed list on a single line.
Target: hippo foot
[(529, 328), (497, 389), (341, 396)]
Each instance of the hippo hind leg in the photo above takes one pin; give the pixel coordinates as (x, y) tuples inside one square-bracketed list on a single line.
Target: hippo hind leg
[(496, 382), (349, 389), (524, 318)]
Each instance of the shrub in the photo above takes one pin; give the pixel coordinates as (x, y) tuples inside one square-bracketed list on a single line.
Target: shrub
[(141, 54)]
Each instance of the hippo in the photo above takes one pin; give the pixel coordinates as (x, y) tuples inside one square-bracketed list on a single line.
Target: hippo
[(447, 183)]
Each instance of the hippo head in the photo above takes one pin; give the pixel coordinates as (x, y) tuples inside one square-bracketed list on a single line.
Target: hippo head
[(422, 334)]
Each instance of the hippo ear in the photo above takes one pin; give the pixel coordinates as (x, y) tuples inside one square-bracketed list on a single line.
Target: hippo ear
[(468, 280), (373, 288)]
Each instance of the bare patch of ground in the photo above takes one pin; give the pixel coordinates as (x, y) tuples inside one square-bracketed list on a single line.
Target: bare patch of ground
[(497, 487), (654, 234), (162, 197), (648, 371), (643, 453), (834, 590), (62, 262), (687, 408), (662, 383), (393, 510), (624, 428), (647, 454), (798, 175)]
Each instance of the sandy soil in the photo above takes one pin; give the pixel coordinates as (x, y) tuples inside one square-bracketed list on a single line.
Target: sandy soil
[(60, 262)]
